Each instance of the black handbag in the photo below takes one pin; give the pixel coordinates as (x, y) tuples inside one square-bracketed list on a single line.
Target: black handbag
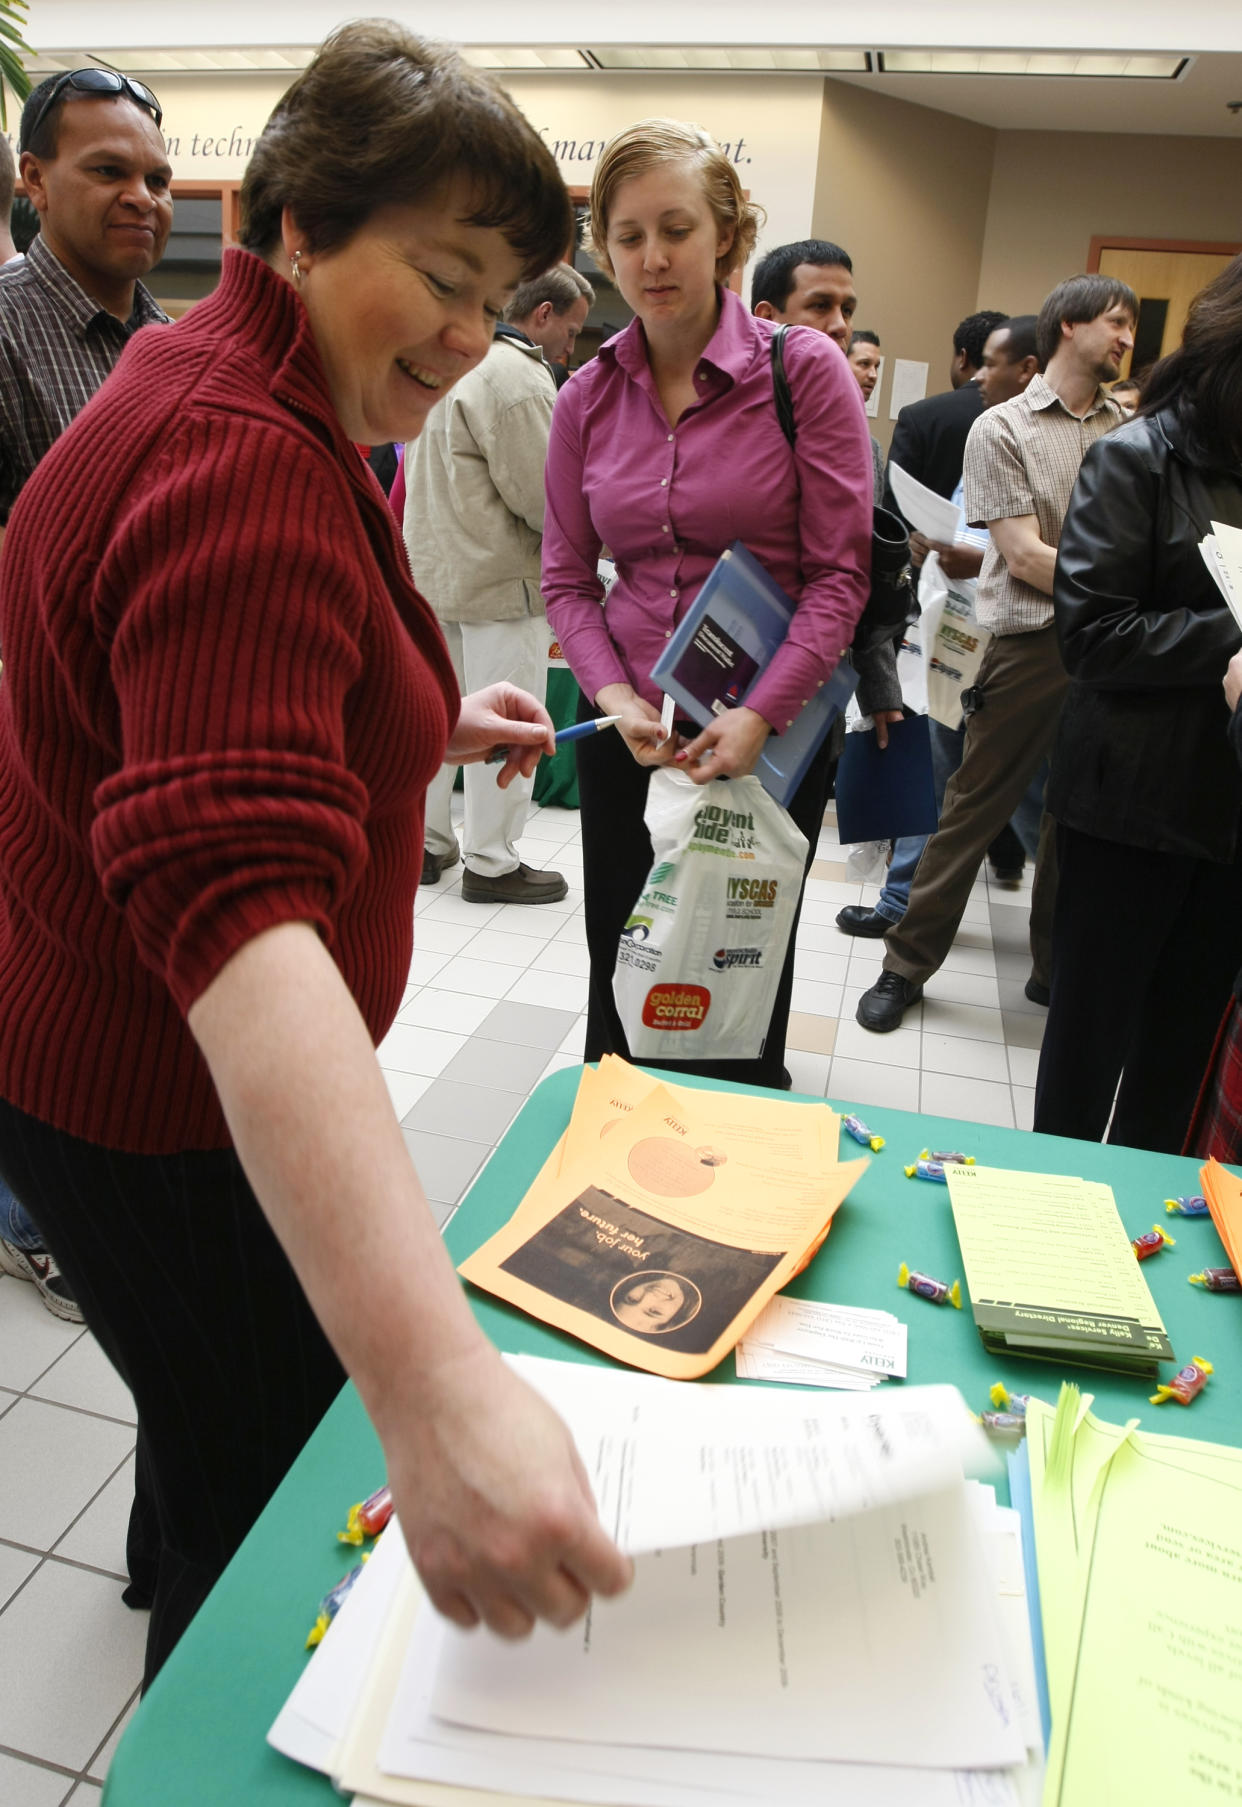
[(891, 602)]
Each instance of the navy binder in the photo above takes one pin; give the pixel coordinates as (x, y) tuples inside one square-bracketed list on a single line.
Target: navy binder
[(724, 642), (884, 795)]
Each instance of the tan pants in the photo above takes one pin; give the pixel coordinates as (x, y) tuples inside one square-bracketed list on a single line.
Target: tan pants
[(1023, 684)]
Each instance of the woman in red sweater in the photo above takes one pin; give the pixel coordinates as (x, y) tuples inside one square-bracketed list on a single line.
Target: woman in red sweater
[(222, 700)]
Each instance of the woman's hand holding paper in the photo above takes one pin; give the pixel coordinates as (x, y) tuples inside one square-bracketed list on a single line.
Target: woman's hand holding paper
[(494, 1503), (728, 747)]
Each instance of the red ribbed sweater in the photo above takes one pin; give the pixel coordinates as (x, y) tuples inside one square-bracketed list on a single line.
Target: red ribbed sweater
[(222, 699)]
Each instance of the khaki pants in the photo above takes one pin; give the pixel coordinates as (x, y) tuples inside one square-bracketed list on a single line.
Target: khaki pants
[(1023, 684)]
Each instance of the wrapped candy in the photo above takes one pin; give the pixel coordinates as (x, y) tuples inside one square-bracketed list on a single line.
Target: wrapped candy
[(1188, 1207), (1005, 1401), (1004, 1424), (854, 1126), (1151, 1242), (1217, 1280), (938, 1291), (331, 1604), (932, 1163), (368, 1518), (1186, 1384)]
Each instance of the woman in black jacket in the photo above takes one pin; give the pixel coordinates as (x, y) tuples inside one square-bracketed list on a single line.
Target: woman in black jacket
[(1145, 792)]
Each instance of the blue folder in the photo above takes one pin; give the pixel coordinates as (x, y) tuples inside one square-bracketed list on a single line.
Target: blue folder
[(720, 647), (882, 795)]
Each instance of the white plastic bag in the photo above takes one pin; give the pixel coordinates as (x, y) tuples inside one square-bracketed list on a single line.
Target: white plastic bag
[(700, 957), (952, 641)]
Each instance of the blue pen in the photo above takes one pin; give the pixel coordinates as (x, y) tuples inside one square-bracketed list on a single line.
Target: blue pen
[(578, 731)]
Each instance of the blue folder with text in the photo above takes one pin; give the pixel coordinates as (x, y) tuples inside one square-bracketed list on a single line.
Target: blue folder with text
[(722, 644)]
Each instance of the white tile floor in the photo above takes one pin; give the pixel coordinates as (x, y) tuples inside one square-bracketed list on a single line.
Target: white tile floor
[(495, 1000)]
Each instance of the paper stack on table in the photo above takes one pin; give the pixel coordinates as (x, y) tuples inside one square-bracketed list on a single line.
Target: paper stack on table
[(824, 1612), (667, 1217), (1139, 1540), (1051, 1272), (804, 1343)]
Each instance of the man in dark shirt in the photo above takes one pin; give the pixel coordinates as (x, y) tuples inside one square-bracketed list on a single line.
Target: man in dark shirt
[(96, 171), (929, 439)]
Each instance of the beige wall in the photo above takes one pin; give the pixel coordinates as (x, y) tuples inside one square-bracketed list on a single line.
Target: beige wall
[(1052, 192), (905, 190)]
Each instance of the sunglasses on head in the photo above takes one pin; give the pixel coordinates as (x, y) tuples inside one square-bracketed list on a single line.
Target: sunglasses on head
[(95, 81)]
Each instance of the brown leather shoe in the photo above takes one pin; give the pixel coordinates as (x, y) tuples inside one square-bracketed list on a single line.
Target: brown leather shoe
[(436, 863), (521, 886)]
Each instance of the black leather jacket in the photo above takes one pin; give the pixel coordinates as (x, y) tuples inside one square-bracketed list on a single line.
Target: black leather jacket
[(1142, 754)]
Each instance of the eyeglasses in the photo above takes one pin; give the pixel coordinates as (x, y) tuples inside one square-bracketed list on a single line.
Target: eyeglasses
[(94, 81)]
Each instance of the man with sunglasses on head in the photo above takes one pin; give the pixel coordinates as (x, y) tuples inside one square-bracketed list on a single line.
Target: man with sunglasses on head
[(95, 169)]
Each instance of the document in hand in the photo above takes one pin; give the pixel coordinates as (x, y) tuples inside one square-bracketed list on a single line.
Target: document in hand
[(725, 640), (747, 1665), (664, 1225), (1222, 554), (1050, 1270), (1139, 1538)]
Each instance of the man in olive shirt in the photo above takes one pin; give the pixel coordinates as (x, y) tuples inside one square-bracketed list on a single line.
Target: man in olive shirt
[(1022, 459)]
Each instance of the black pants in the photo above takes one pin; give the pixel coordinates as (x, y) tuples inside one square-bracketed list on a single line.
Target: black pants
[(616, 858), (1145, 947), (196, 1306)]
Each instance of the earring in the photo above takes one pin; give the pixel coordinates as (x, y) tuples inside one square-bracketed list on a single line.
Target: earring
[(295, 265)]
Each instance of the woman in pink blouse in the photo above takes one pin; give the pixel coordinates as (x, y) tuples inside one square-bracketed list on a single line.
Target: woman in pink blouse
[(666, 449)]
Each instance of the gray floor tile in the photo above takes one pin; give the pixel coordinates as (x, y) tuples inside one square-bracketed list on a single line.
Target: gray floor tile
[(533, 1025), (98, 1765), (15, 1566), (1023, 1029), (71, 1654), (53, 1462), (1013, 997), (473, 1112), (31, 1339), (502, 1065), (85, 1378), (97, 1538), (445, 1167), (27, 1785)]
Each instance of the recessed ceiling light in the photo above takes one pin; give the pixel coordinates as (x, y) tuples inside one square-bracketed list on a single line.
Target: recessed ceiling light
[(1099, 64)]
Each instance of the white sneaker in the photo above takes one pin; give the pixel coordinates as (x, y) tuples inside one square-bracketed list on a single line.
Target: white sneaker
[(39, 1267)]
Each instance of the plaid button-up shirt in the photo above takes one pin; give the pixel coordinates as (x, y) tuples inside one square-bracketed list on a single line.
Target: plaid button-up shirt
[(56, 347), (1022, 458)]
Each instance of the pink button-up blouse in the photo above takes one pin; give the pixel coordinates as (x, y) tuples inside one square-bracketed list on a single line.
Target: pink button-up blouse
[(666, 501)]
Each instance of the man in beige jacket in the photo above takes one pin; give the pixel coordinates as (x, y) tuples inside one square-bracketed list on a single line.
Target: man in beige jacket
[(473, 530)]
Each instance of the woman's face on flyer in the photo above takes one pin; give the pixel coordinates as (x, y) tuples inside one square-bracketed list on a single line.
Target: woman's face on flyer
[(664, 242)]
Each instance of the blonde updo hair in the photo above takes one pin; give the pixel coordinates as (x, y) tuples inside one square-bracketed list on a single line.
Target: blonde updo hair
[(650, 145)]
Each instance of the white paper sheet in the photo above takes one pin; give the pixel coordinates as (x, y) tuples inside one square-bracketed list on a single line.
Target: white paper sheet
[(872, 404), (1222, 554), (675, 1463), (846, 1336), (754, 1362), (415, 1743), (785, 1644), (934, 515), (909, 385)]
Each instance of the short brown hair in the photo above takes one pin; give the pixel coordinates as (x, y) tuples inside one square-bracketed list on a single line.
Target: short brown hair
[(650, 145), (1075, 301), (561, 285), (381, 118)]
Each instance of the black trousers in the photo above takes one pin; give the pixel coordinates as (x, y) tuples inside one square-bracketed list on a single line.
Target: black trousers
[(196, 1306), (616, 858), (1145, 947)]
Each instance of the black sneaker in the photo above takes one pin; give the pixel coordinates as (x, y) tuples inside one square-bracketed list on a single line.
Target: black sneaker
[(39, 1267), (1037, 993), (883, 1007)]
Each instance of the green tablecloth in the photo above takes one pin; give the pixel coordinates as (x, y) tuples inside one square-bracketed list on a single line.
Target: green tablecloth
[(198, 1740)]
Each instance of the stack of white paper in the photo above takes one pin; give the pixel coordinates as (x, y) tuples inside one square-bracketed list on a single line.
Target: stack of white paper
[(880, 1655), (801, 1342)]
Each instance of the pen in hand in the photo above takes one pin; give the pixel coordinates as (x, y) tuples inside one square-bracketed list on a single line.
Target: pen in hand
[(578, 731)]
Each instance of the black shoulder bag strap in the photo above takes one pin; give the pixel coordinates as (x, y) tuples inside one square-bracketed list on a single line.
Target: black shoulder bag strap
[(891, 602), (780, 387)]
